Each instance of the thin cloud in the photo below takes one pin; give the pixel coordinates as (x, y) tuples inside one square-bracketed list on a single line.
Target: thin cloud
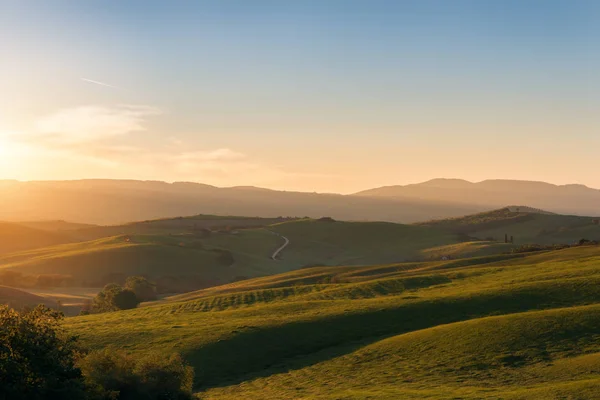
[(99, 83), (92, 123)]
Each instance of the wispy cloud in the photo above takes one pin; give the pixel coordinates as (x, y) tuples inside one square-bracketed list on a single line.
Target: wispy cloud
[(92, 123), (107, 141), (99, 83)]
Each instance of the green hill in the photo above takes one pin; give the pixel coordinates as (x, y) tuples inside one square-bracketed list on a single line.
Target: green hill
[(180, 248), (326, 242), (184, 254), (97, 262), (525, 225), (509, 326), (524, 355), (196, 224)]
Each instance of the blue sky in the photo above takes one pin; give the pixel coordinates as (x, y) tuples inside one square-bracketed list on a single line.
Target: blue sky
[(312, 95)]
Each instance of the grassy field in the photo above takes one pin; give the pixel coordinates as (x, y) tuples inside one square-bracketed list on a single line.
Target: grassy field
[(498, 327), (315, 242), (186, 254), (168, 248), (93, 260), (166, 226)]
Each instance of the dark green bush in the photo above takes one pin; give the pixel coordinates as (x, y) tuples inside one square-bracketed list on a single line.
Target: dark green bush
[(112, 374), (37, 358), (39, 361), (143, 289), (114, 297)]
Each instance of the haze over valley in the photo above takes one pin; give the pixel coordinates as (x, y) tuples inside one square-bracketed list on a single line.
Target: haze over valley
[(120, 201)]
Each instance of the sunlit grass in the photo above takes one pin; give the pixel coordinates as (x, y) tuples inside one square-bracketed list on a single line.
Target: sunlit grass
[(470, 331)]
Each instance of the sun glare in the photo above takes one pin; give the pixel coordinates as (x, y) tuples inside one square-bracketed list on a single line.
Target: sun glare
[(10, 153), (6, 146)]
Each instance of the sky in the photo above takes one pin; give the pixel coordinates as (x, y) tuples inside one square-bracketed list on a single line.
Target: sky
[(328, 96)]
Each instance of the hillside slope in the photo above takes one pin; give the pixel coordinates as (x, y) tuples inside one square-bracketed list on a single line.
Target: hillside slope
[(19, 299), (173, 249), (326, 242), (16, 237), (510, 326), (95, 263), (183, 254), (524, 226)]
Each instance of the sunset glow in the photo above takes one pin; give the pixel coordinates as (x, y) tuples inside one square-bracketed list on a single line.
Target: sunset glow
[(307, 97)]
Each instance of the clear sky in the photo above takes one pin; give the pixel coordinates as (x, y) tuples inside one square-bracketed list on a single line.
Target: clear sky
[(327, 95)]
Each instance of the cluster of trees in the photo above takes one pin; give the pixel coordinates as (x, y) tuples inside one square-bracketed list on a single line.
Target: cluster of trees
[(114, 297), (540, 247), (41, 281), (164, 283), (39, 360)]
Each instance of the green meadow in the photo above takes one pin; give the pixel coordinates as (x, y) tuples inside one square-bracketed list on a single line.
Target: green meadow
[(347, 310), (520, 327)]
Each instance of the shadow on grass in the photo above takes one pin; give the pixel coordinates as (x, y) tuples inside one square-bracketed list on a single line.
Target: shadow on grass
[(258, 352)]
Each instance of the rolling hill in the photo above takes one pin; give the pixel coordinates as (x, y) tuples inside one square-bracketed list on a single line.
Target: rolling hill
[(178, 248), (17, 237), (197, 224), (196, 252), (520, 326), (525, 225)]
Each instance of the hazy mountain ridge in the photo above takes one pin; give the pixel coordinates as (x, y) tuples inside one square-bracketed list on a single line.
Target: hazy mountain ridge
[(564, 199), (117, 201), (106, 201)]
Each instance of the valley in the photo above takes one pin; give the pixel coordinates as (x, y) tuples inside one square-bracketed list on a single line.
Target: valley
[(319, 308)]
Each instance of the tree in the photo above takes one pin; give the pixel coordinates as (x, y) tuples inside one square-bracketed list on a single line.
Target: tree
[(125, 300), (37, 358), (143, 289), (114, 297)]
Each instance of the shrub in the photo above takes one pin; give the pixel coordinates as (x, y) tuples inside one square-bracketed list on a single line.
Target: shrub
[(112, 374)]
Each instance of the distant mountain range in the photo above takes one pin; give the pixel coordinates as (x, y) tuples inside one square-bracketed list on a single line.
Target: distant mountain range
[(562, 199), (120, 201)]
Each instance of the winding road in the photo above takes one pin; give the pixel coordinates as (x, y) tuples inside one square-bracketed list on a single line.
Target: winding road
[(279, 250)]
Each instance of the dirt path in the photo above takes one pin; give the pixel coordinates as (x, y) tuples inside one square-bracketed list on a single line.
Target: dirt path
[(279, 250)]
